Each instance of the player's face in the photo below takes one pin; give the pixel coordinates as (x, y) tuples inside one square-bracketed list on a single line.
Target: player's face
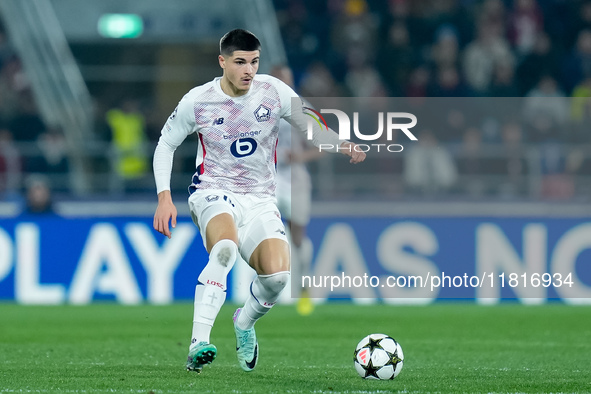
[(239, 71)]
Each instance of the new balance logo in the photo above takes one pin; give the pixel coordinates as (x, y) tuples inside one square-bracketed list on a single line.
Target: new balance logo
[(218, 121), (226, 198)]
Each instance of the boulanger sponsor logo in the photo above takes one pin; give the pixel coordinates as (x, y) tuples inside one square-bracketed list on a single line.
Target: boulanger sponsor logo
[(243, 145), (245, 134), (394, 122)]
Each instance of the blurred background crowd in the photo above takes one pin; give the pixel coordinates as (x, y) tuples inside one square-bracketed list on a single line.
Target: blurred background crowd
[(530, 56), (444, 48)]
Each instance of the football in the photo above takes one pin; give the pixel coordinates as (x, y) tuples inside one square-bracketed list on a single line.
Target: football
[(378, 356)]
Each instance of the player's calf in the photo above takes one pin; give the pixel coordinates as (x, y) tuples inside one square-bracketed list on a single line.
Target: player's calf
[(210, 295), (265, 290)]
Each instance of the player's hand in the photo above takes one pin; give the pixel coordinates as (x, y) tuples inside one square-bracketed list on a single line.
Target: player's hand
[(165, 212), (349, 149)]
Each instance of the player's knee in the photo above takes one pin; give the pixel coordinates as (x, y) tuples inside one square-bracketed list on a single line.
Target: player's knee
[(222, 257), (224, 253), (274, 283), (271, 256)]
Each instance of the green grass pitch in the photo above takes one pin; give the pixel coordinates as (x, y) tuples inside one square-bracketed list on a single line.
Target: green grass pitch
[(448, 348)]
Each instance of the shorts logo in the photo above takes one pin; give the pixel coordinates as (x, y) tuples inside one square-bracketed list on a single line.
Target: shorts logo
[(262, 113), (227, 199), (280, 231), (212, 198)]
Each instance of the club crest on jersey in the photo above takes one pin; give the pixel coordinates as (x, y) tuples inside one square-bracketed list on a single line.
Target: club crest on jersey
[(262, 113)]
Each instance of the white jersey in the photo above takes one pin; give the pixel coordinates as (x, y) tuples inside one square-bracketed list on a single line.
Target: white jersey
[(237, 136)]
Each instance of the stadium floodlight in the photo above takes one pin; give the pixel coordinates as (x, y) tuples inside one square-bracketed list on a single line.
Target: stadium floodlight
[(120, 25)]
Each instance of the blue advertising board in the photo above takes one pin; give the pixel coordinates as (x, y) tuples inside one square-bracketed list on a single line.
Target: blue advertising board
[(53, 260), (56, 260), (423, 259)]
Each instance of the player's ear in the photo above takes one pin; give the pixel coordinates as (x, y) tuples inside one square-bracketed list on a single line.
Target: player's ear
[(222, 61)]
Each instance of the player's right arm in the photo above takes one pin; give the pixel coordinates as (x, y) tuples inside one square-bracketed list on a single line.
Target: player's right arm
[(165, 212), (178, 126)]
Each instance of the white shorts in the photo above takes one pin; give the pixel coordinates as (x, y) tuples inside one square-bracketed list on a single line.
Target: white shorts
[(294, 203), (256, 218)]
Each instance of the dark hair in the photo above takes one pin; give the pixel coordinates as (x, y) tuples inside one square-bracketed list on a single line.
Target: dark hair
[(239, 40)]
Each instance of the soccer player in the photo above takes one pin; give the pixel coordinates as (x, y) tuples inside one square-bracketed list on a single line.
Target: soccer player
[(232, 192)]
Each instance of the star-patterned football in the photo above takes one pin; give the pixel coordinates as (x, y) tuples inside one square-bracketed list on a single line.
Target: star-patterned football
[(378, 356)]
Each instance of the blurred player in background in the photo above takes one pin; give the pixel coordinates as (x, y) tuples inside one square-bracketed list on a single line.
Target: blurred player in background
[(232, 195), (294, 195)]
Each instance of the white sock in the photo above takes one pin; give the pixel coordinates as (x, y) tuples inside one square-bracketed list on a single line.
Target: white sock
[(210, 293), (208, 302), (264, 291)]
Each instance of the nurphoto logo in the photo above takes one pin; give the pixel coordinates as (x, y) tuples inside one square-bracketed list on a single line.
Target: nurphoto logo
[(392, 120)]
